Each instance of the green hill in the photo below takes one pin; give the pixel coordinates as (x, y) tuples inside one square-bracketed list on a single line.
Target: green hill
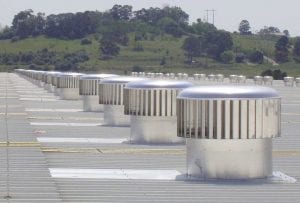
[(162, 54)]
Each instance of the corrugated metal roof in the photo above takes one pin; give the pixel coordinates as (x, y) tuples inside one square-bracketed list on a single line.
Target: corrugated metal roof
[(29, 179)]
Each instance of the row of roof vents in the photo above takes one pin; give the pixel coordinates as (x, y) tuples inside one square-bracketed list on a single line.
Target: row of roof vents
[(227, 129)]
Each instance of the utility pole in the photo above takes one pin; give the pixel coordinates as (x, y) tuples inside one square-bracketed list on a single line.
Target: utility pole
[(213, 12), (207, 15), (213, 15)]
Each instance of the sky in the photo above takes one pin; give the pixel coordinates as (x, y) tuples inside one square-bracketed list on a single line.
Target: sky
[(228, 14)]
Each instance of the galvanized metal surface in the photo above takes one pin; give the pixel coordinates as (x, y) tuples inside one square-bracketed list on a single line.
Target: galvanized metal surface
[(228, 112), (125, 156), (88, 84), (111, 90), (152, 106), (24, 174)]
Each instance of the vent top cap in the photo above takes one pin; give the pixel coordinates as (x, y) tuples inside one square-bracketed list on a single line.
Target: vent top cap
[(96, 76), (228, 92), (158, 84), (121, 80)]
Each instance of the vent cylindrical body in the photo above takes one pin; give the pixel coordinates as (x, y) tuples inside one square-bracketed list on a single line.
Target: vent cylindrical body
[(68, 85), (159, 75), (268, 80), (152, 107), (289, 81), (150, 75), (211, 77), (182, 76), (297, 81), (219, 77), (134, 74), (233, 78), (141, 74), (49, 78), (170, 75), (111, 96), (241, 79), (229, 130), (196, 76), (38, 76), (258, 80), (88, 90)]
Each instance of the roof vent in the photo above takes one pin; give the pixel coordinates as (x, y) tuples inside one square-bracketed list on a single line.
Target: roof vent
[(49, 77), (219, 77), (111, 96), (289, 81), (258, 80), (68, 85), (150, 75), (241, 79), (199, 76), (159, 75), (38, 76), (268, 80), (228, 130), (170, 75), (54, 83), (182, 76), (297, 81), (211, 77), (152, 107), (88, 90), (233, 78)]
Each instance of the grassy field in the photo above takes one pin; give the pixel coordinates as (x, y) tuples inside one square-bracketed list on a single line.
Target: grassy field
[(246, 43), (154, 51)]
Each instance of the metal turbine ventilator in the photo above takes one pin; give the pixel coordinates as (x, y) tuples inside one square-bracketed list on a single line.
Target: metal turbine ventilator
[(258, 80), (111, 96), (151, 105), (289, 81), (88, 90), (297, 81), (268, 80), (49, 77), (228, 130), (68, 85)]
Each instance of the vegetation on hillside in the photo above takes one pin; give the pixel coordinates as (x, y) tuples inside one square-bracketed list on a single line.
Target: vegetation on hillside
[(153, 39)]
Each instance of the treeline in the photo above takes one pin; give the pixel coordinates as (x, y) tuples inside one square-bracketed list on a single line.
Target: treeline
[(114, 25), (45, 59), (119, 18)]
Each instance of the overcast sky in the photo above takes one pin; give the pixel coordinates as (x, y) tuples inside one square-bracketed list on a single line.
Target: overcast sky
[(282, 14)]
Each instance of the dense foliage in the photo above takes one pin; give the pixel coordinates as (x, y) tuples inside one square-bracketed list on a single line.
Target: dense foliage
[(120, 28)]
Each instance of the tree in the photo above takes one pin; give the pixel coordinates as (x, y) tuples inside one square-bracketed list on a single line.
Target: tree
[(276, 74), (192, 47), (176, 13), (296, 50), (7, 33), (120, 12), (216, 42), (227, 56), (150, 16), (281, 49), (23, 23), (244, 27), (269, 30), (154, 15), (282, 43), (170, 26), (240, 57), (201, 27), (108, 48), (256, 57), (286, 33)]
